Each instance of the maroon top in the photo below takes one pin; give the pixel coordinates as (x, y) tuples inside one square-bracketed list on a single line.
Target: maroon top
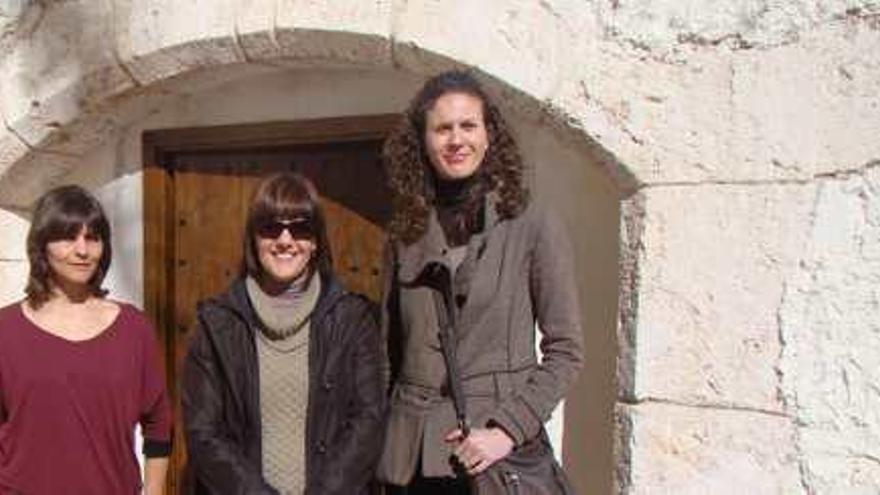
[(68, 409)]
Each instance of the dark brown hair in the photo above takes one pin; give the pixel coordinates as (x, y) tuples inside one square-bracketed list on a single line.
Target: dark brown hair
[(60, 214), (410, 174), (286, 196)]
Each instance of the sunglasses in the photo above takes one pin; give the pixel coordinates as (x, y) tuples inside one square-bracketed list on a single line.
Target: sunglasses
[(299, 228)]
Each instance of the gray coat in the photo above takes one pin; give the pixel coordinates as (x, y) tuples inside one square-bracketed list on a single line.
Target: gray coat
[(515, 273)]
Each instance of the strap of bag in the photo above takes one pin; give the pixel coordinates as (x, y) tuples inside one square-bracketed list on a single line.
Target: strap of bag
[(444, 301)]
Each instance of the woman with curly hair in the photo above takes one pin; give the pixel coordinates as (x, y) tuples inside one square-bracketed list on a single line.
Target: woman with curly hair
[(465, 234)]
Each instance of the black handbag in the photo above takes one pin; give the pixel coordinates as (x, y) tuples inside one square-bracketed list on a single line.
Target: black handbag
[(530, 468)]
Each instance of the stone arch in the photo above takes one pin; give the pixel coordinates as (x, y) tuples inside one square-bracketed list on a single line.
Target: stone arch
[(51, 128), (89, 88)]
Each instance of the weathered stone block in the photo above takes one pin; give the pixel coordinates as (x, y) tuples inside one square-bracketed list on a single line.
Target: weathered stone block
[(12, 148), (830, 123), (13, 236), (13, 278), (346, 33), (830, 323), (527, 43), (704, 111), (712, 263), (668, 28), (318, 49), (61, 70), (125, 279), (30, 177), (158, 39), (686, 450), (345, 15), (255, 29)]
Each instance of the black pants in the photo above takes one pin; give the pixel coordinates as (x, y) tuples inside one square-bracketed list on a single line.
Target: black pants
[(430, 486), (420, 485)]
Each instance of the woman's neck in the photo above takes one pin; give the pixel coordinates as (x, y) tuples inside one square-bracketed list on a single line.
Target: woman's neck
[(68, 292), (459, 208), (454, 192), (60, 302), (291, 289), (285, 313)]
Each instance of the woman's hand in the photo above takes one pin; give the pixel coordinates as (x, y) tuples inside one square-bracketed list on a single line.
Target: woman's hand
[(482, 448)]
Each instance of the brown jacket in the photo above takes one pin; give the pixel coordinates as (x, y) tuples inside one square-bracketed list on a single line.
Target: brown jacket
[(516, 272)]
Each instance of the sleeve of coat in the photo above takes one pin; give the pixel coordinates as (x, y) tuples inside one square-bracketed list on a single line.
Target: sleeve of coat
[(218, 463), (391, 330), (554, 298), (356, 452)]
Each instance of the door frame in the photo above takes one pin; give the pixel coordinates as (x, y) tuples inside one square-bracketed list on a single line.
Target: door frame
[(158, 198)]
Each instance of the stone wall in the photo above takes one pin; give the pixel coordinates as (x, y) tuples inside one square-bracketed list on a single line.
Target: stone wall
[(741, 138), (746, 361), (13, 256)]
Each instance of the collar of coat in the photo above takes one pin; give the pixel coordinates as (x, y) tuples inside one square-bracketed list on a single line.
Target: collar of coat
[(432, 247), (236, 301), (478, 277)]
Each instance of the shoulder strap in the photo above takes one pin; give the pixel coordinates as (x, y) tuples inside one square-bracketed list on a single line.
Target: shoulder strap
[(444, 301)]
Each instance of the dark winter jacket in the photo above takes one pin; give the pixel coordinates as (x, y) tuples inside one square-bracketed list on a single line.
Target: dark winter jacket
[(221, 404)]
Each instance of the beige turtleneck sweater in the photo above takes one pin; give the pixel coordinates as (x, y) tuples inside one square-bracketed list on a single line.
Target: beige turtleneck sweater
[(283, 358)]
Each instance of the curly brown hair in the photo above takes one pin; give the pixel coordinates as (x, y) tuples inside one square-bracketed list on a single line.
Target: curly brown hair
[(411, 176)]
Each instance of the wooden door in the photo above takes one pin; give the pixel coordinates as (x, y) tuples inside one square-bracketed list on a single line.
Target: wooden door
[(206, 193)]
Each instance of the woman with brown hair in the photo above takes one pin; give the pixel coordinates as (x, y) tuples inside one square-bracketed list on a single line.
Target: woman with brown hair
[(78, 371), (466, 238), (282, 388)]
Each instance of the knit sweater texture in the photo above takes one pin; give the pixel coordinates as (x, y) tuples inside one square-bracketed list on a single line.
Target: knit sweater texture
[(282, 356)]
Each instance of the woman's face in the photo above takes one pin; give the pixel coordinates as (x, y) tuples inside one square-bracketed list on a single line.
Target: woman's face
[(455, 135), (74, 261), (284, 250)]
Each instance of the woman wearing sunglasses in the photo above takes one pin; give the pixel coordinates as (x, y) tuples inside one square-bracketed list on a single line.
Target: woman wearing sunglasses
[(78, 371), (282, 388)]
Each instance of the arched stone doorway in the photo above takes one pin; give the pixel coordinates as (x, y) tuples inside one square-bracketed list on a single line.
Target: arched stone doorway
[(206, 81)]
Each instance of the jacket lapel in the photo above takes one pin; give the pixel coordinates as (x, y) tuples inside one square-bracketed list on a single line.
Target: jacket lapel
[(483, 261), (430, 248), (479, 274)]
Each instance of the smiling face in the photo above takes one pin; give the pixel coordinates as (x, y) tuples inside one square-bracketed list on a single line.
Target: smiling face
[(286, 256), (456, 139), (73, 261)]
